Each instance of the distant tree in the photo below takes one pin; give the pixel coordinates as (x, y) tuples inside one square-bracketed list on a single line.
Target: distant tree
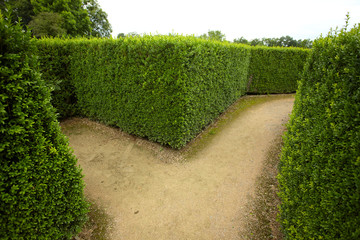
[(288, 41), (271, 42), (132, 34), (121, 35), (241, 40), (47, 24), (100, 26), (213, 35), (306, 43), (285, 41), (256, 42)]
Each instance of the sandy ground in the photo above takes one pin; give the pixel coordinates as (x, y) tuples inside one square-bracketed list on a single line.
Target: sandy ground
[(149, 196)]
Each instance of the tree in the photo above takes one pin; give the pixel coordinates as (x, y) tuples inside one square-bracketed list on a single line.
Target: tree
[(241, 40), (306, 43), (256, 42), (121, 35), (78, 17), (41, 187), (75, 16), (286, 41), (132, 34), (47, 24), (214, 35), (100, 26)]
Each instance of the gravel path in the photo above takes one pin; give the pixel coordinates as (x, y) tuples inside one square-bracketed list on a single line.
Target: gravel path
[(150, 192)]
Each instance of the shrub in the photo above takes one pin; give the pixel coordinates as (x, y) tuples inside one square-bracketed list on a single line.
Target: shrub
[(165, 88), (41, 188), (320, 163), (275, 69)]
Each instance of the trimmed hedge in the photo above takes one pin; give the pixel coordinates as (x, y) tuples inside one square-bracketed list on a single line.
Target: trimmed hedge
[(165, 88), (320, 164), (41, 188), (275, 69), (54, 64)]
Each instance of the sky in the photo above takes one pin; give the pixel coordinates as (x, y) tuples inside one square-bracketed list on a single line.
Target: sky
[(301, 19)]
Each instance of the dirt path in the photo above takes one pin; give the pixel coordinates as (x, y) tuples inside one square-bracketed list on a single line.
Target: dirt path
[(200, 198)]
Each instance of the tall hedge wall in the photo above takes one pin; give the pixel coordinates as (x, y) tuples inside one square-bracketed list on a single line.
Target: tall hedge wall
[(320, 164), (41, 187), (54, 64), (161, 87), (275, 69)]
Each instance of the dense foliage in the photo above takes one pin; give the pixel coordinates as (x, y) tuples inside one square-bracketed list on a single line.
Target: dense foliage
[(320, 163), (275, 70), (60, 17), (55, 69), (41, 188), (166, 88)]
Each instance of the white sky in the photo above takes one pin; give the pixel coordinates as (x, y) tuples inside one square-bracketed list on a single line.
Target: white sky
[(300, 19)]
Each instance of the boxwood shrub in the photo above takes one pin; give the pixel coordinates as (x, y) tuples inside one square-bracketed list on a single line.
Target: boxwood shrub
[(275, 69), (320, 164), (41, 188)]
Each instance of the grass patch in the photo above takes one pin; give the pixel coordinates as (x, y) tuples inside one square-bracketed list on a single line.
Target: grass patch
[(263, 207), (97, 226)]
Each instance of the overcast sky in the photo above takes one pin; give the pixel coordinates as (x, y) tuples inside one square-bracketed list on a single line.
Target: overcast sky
[(300, 19)]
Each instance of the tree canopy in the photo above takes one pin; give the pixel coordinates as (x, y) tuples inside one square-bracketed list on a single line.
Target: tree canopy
[(60, 17), (100, 26), (214, 35), (47, 23)]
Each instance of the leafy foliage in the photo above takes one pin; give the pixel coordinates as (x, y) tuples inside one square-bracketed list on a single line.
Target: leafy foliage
[(166, 88), (59, 17), (320, 163), (100, 26), (22, 9), (75, 17), (275, 70), (47, 24), (41, 188)]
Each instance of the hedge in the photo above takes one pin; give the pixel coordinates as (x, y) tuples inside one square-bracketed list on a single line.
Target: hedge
[(165, 88), (41, 188), (320, 163), (54, 64), (275, 69)]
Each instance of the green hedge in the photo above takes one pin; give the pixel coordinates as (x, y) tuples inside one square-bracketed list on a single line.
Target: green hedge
[(41, 188), (275, 69), (54, 64), (320, 164), (165, 88)]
